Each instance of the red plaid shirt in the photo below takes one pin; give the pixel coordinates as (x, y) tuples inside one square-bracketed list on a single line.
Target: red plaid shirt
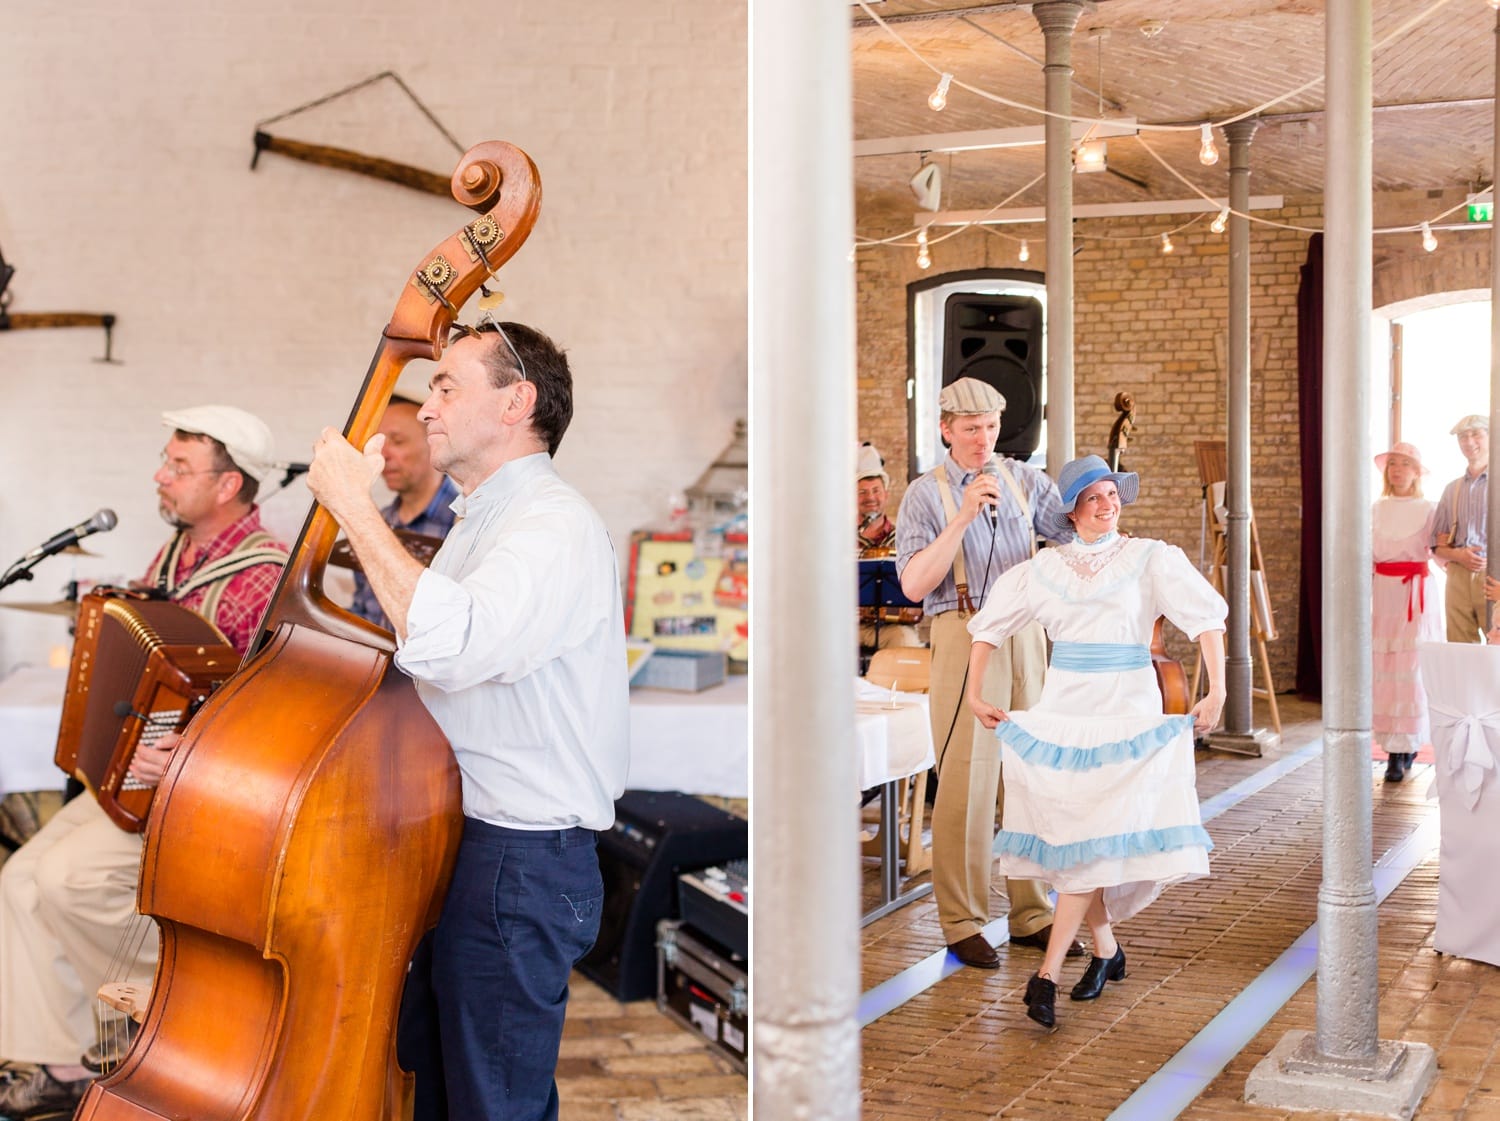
[(247, 593)]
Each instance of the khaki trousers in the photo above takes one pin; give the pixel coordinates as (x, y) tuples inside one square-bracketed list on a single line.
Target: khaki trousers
[(67, 909), (969, 779), (1463, 604)]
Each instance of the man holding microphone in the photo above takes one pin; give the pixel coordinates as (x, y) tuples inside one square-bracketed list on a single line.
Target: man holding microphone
[(961, 525)]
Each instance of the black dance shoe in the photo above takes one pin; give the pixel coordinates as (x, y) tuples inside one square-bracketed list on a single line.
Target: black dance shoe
[(1100, 970), (1397, 764), (1041, 1000)]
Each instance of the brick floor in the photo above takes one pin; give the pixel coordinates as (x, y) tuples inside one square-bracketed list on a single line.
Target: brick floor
[(629, 1062), (964, 1051)]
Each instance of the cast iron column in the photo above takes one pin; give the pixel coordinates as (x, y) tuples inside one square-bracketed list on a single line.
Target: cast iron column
[(1057, 19), (805, 912), (1239, 669), (1344, 1065)]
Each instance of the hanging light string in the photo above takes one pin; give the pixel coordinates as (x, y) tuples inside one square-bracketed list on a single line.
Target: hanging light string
[(900, 239), (946, 80)]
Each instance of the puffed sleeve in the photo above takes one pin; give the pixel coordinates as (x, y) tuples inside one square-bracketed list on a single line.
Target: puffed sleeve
[(1006, 609), (1182, 594)]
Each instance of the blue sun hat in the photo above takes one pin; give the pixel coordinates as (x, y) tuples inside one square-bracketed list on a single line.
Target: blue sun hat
[(1073, 480)]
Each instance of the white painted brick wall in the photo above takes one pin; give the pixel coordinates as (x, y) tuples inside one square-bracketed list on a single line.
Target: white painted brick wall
[(124, 187)]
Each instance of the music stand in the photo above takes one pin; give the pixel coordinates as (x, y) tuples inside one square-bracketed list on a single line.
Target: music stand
[(879, 587)]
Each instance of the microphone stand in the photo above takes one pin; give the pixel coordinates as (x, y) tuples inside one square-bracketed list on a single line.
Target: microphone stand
[(20, 570)]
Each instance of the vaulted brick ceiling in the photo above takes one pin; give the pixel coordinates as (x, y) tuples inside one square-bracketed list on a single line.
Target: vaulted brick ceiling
[(1207, 60)]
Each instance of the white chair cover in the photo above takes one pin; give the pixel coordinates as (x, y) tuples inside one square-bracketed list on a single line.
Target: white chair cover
[(1463, 693)]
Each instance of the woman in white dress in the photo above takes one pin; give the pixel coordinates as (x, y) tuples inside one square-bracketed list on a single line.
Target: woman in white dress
[(1404, 610), (1100, 792)]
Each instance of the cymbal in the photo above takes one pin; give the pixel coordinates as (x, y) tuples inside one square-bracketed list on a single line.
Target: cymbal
[(78, 551), (60, 607)]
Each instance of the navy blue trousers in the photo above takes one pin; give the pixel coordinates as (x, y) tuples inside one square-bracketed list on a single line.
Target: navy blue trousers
[(482, 1012)]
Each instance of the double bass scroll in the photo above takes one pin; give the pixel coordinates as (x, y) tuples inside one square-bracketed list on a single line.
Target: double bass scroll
[(301, 841)]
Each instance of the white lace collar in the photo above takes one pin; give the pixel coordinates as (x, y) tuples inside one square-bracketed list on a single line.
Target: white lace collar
[(1087, 559)]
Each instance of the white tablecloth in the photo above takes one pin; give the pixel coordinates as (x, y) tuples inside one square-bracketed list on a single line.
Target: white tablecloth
[(1463, 696), (696, 743), (893, 733), (30, 707)]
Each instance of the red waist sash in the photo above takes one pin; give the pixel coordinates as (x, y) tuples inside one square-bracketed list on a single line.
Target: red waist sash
[(1413, 574)]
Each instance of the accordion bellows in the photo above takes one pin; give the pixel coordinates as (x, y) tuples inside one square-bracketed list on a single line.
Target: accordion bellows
[(140, 668)]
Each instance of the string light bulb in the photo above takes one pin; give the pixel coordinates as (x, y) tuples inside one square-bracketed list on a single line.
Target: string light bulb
[(924, 258), (1429, 242), (1208, 152), (938, 98), (1218, 224), (1025, 253), (1166, 243)]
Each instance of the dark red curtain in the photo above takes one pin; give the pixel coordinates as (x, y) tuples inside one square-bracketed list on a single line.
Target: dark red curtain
[(1310, 412)]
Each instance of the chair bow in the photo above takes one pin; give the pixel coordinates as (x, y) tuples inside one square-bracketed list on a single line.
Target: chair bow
[(1468, 748)]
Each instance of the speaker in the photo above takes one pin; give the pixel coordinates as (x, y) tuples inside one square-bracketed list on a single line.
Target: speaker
[(998, 340), (656, 837)]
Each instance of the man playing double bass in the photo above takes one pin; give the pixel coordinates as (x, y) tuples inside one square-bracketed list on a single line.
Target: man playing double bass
[(68, 896), (515, 639)]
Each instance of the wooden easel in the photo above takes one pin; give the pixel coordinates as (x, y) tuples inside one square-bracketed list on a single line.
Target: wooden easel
[(1213, 469)]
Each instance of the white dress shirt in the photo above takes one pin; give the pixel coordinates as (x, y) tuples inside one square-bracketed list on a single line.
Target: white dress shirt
[(516, 641)]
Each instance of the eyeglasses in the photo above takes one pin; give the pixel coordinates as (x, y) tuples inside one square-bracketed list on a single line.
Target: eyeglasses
[(177, 471), (487, 323)]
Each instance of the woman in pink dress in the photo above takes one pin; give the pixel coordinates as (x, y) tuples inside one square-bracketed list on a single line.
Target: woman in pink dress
[(1406, 611)]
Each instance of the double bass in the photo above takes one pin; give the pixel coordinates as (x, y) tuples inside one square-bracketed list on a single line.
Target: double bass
[(1171, 678), (302, 838)]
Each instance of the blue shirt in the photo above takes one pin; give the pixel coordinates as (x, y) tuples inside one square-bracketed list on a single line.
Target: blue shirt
[(1463, 511), (987, 551), (435, 521)]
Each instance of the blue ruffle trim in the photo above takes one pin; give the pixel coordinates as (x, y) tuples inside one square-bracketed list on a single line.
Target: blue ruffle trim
[(1059, 757), (1122, 846)]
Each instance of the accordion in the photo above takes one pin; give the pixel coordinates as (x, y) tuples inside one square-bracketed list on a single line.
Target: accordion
[(140, 668)]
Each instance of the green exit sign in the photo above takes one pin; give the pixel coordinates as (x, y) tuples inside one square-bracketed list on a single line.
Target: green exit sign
[(1481, 211)]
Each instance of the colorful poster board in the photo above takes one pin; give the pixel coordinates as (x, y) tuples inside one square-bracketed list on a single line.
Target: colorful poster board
[(677, 599)]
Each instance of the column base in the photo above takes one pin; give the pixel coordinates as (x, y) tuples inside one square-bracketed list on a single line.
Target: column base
[(1255, 742), (1295, 1076)]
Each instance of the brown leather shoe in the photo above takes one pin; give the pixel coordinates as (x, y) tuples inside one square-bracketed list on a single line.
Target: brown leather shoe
[(1037, 940), (975, 951)]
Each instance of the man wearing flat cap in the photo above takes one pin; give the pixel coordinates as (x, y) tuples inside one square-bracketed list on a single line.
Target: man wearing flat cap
[(68, 896), (959, 527), (1458, 532), (876, 537)]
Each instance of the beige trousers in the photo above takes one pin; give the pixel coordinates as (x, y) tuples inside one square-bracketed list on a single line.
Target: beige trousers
[(969, 779), (1463, 603), (67, 910)]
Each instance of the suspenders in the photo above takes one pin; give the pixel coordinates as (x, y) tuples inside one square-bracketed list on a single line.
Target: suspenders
[(950, 508)]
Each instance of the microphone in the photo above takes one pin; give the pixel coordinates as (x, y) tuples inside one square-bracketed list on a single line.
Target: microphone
[(993, 472), (102, 522), (869, 519), (123, 710)]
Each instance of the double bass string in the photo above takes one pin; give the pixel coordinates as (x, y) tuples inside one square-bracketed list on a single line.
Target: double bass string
[(111, 1025)]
